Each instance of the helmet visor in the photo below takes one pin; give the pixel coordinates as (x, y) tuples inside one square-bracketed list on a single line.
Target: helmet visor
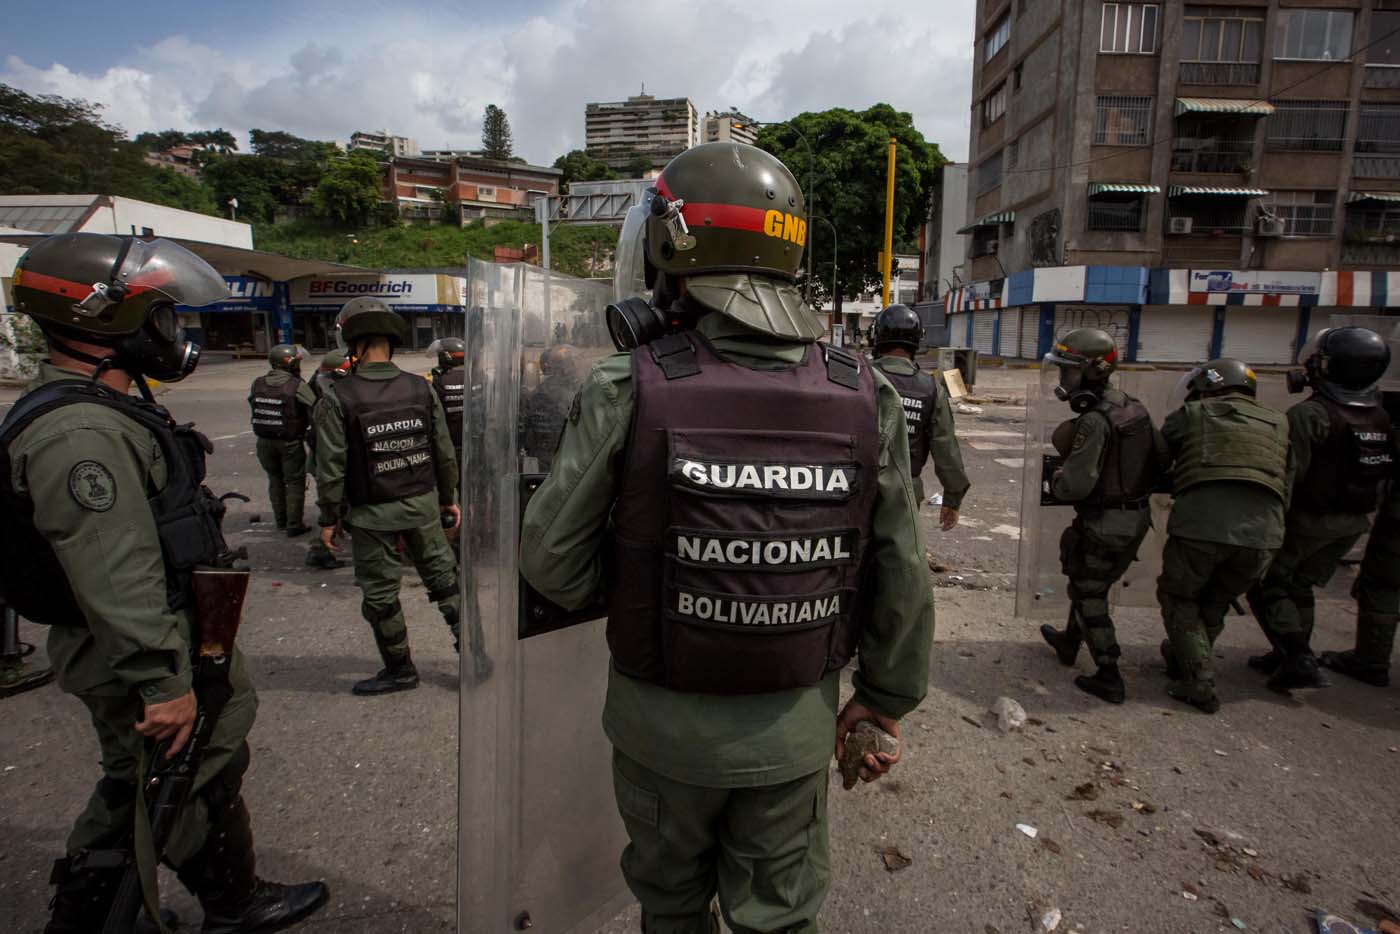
[(173, 271), (1181, 392), (434, 348), (629, 270)]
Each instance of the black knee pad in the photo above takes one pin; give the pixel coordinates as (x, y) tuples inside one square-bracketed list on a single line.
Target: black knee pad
[(116, 793), (380, 615), (437, 596), (223, 789)]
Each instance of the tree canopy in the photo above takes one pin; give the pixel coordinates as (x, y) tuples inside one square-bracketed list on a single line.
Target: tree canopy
[(349, 190), (496, 142), (851, 151), (579, 166), (279, 144)]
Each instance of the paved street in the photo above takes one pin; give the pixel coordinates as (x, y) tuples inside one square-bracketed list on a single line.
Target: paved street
[(1181, 822)]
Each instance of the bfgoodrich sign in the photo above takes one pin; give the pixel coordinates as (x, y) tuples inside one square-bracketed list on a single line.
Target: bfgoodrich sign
[(407, 292), (1255, 282)]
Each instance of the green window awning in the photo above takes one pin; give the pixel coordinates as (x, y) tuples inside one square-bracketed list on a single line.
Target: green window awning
[(1222, 105), (1178, 191), (1373, 196), (1123, 188), (990, 220)]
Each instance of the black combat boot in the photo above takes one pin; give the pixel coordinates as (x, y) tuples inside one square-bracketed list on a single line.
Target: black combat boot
[(323, 559), (1268, 664), (1202, 699), (298, 530), (1105, 684), (1065, 643), (235, 901), (398, 674), (1174, 672), (1351, 665), (1299, 670), (87, 884)]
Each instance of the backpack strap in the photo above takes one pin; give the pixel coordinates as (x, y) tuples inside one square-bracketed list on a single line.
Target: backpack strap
[(675, 355)]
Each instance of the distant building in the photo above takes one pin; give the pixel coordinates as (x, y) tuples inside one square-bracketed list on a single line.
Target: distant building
[(107, 214), (464, 188), (181, 159), (945, 250), (384, 143), (729, 125), (447, 155), (616, 132)]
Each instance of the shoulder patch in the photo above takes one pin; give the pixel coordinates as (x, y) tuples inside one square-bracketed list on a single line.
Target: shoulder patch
[(92, 486)]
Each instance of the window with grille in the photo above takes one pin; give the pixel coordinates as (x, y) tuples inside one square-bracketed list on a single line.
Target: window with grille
[(1307, 126), (1117, 211), (1373, 220), (1123, 121), (1313, 35), (994, 106), (1378, 129), (1222, 45), (1384, 47), (1129, 28), (998, 37), (1304, 213), (989, 174)]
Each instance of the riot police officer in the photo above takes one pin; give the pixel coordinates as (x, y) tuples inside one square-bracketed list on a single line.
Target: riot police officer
[(449, 382), (281, 411), (746, 474), (1230, 479), (1113, 458), (89, 476), (897, 336), (1343, 455), (1377, 587), (335, 365), (544, 410), (386, 472)]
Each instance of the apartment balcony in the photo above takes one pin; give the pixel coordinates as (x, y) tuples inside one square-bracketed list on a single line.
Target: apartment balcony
[(1211, 155), (1220, 73), (1385, 77), (1375, 166), (1371, 254)]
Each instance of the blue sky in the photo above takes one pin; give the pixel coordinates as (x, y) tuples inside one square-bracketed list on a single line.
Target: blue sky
[(428, 68)]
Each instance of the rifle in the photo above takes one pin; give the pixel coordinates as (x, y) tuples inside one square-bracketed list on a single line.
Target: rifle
[(219, 593)]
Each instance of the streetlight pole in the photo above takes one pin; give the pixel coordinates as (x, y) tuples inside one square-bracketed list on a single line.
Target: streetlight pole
[(835, 256), (542, 216), (811, 193)]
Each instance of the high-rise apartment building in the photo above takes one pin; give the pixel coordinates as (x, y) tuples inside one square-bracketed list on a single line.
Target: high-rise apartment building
[(654, 128), (1205, 177), (383, 142), (727, 126)]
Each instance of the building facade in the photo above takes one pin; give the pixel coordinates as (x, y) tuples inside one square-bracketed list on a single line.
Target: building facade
[(465, 188), (729, 126), (1222, 156), (944, 248), (657, 128), (383, 142)]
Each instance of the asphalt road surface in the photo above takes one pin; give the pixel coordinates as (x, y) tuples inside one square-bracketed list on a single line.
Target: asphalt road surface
[(1147, 817)]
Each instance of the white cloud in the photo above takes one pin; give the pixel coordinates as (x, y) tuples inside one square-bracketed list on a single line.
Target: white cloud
[(431, 76)]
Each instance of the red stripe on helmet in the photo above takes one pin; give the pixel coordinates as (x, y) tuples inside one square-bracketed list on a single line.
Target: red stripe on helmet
[(41, 282), (714, 214)]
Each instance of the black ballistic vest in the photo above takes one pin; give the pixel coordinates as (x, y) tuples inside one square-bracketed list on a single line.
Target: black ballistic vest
[(276, 414), (743, 519), (187, 516), (451, 387), (919, 393), (1348, 470), (388, 435), (1130, 465)]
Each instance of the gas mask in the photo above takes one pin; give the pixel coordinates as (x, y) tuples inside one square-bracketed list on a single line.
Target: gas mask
[(159, 348)]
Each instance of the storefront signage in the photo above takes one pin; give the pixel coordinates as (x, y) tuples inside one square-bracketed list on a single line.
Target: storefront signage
[(1255, 282), (404, 292)]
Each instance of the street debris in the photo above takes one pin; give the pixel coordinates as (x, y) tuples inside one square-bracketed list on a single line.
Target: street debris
[(936, 499), (1047, 844), (1111, 818), (894, 860), (1010, 715), (1222, 753), (1328, 923), (1051, 919), (934, 564), (1028, 830), (962, 408), (972, 722), (1144, 807), (1085, 792)]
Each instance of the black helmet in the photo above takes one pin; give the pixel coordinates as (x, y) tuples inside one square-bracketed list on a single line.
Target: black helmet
[(369, 317), (1079, 366), (898, 326), (119, 292), (1345, 364), (451, 351), (287, 357), (1222, 375)]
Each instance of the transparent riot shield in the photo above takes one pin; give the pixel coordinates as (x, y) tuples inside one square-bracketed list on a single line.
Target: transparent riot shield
[(1040, 584), (539, 834)]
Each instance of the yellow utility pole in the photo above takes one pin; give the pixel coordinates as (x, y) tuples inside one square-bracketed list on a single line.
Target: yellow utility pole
[(887, 258)]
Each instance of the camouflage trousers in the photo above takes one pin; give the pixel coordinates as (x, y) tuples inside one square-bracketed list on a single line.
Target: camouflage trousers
[(1198, 582), (1377, 593), (284, 462), (1284, 600), (379, 564), (762, 850), (1095, 551)]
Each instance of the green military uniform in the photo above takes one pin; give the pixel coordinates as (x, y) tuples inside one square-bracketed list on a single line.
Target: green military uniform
[(317, 554), (285, 462), (1102, 541), (1230, 477), (129, 649), (378, 530), (716, 789), (1314, 543), (940, 441)]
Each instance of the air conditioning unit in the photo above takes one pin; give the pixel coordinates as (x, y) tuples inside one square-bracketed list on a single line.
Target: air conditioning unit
[(1180, 225), (1269, 225)]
